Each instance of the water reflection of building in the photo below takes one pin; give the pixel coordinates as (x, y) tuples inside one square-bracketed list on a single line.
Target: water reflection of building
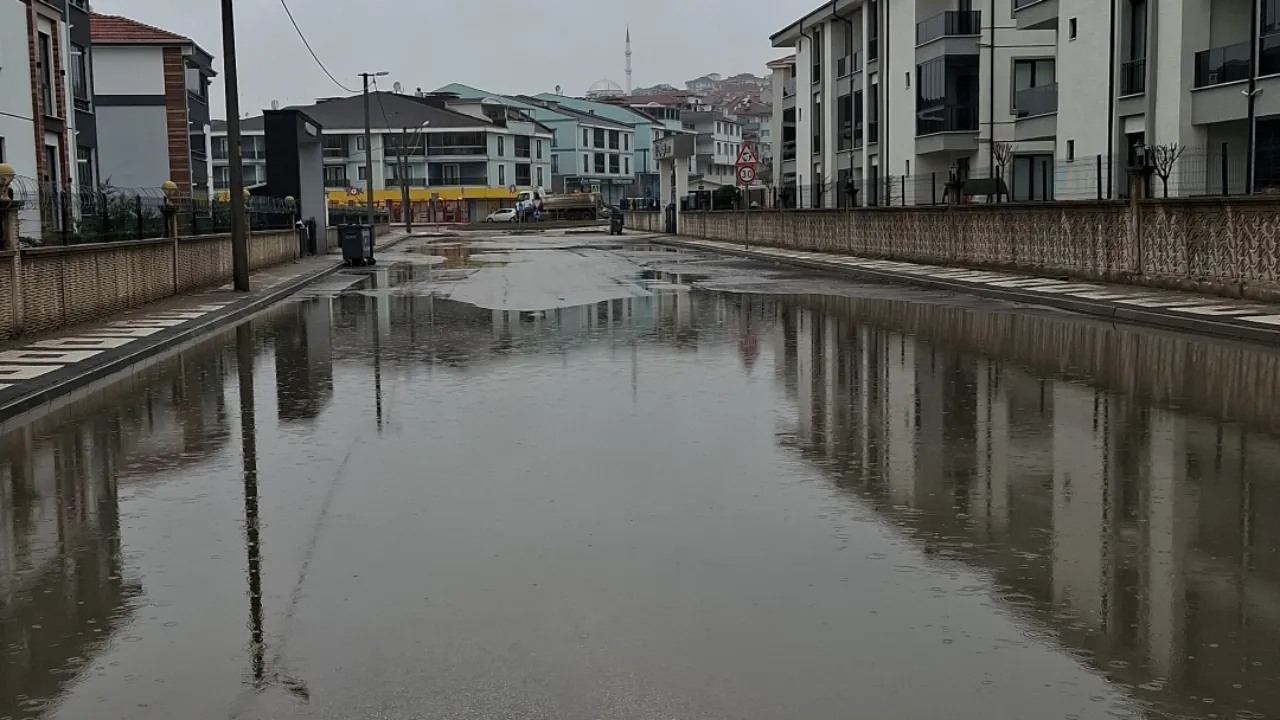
[(1139, 537), (64, 590), (304, 359)]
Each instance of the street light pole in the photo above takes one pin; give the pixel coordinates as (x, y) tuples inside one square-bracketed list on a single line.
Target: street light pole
[(235, 164), (368, 146)]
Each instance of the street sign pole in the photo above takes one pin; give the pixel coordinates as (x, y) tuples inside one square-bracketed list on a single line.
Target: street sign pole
[(746, 171)]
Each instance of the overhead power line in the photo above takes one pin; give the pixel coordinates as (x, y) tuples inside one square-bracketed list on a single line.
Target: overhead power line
[(313, 52)]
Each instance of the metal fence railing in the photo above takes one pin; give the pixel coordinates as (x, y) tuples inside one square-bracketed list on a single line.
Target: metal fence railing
[(56, 215)]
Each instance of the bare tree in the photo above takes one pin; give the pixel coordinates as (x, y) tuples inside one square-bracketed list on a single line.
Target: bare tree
[(1002, 153), (1163, 158)]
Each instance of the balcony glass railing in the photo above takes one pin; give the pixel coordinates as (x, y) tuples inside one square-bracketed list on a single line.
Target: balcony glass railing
[(789, 88), (408, 182), (1039, 100), (1222, 65), (949, 24), (1269, 54), (1133, 77), (457, 150), (789, 150), (338, 182), (948, 118)]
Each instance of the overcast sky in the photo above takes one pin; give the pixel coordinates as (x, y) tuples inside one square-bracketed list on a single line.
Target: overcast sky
[(505, 46)]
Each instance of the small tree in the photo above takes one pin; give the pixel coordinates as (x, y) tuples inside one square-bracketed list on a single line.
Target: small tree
[(1163, 158), (1002, 154)]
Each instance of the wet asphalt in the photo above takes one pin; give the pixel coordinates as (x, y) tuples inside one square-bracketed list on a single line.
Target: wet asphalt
[(576, 477)]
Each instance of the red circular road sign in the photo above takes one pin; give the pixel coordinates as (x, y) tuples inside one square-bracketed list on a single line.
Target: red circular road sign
[(746, 174)]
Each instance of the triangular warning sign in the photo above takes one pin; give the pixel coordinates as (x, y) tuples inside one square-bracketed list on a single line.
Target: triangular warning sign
[(746, 156)]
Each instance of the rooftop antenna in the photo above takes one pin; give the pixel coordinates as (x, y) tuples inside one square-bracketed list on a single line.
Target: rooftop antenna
[(275, 104)]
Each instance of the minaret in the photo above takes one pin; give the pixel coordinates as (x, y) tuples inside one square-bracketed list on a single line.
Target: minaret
[(628, 59)]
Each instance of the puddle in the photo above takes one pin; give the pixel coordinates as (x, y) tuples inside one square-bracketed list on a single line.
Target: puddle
[(459, 256)]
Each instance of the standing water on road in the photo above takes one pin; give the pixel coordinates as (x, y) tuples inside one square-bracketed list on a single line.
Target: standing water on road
[(577, 481)]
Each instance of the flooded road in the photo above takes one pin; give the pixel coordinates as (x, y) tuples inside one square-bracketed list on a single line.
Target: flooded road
[(569, 479)]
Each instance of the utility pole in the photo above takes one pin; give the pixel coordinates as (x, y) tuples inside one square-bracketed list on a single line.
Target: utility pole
[(404, 181), (368, 145), (235, 165)]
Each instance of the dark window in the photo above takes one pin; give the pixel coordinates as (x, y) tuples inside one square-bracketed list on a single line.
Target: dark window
[(1071, 29), (555, 164), (1071, 150), (46, 75), (626, 142), (335, 176), (522, 146), (844, 121), (626, 166), (1, 149), (1032, 177), (502, 146), (600, 166), (539, 143), (1137, 29), (84, 168), (931, 83), (585, 141), (613, 164), (586, 163), (599, 137), (80, 78), (539, 176), (502, 174), (523, 174), (613, 139), (198, 146)]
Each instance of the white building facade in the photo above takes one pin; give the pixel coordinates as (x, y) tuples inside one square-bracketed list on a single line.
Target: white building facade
[(1059, 98)]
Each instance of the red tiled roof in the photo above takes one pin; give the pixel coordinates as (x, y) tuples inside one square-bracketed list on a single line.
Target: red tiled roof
[(117, 29)]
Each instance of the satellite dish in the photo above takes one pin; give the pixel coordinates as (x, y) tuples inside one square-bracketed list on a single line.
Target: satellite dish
[(275, 104), (396, 88)]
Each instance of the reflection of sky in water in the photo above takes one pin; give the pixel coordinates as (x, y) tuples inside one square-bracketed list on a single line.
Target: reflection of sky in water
[(710, 503)]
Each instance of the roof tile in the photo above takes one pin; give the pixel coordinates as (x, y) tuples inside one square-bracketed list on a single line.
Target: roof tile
[(118, 29)]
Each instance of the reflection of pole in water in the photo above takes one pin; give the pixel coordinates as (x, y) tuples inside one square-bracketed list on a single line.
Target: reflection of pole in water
[(253, 547), (377, 363)]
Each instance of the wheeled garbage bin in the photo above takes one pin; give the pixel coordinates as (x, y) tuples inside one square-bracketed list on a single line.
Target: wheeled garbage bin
[(357, 244), (615, 221)]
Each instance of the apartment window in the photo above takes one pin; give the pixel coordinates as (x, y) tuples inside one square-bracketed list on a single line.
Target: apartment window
[(1028, 74), (219, 148), (1071, 29), (539, 148), (452, 173), (80, 78), (586, 163), (199, 145), (335, 176), (502, 147), (221, 177), (613, 139), (555, 164), (599, 164), (599, 133), (360, 143), (360, 173), (540, 176), (196, 84), (1137, 29), (585, 135), (1071, 150), (1, 149), (46, 75), (524, 174), (502, 174), (626, 166), (613, 165), (84, 168), (626, 142)]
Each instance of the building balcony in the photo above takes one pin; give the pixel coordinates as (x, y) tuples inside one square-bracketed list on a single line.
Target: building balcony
[(457, 150), (1221, 65), (849, 64), (954, 32), (1269, 54), (1035, 14), (1036, 112), (340, 182), (951, 23), (335, 153), (1133, 76), (947, 128), (1039, 100), (789, 150), (407, 182)]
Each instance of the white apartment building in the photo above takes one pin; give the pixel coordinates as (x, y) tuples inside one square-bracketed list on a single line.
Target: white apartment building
[(469, 146), (719, 138), (881, 89)]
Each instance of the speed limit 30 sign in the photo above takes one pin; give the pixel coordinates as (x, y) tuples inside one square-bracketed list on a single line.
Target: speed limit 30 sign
[(746, 174)]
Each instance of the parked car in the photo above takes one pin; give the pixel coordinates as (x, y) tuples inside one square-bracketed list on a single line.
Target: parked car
[(503, 215)]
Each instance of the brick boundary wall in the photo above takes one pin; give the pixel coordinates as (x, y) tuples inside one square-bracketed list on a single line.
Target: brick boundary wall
[(1224, 246)]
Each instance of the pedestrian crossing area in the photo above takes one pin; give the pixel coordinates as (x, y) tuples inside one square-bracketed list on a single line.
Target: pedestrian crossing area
[(39, 358), (1260, 314)]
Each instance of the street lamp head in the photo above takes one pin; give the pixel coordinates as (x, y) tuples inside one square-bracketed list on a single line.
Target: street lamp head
[(384, 73), (6, 178), (289, 202), (169, 188)]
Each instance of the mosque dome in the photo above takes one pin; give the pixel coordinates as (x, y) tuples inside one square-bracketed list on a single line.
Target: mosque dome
[(605, 88)]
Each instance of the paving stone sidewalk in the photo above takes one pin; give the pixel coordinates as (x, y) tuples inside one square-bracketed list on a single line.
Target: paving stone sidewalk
[(37, 368), (1213, 315)]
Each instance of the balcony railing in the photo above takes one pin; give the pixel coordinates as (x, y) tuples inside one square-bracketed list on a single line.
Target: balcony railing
[(951, 23), (408, 182), (340, 182), (1039, 100), (1133, 76), (948, 118), (1216, 66), (789, 88), (1269, 54), (457, 150), (789, 150), (849, 64), (335, 152)]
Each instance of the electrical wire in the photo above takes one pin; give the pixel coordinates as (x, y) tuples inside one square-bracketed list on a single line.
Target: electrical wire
[(315, 57)]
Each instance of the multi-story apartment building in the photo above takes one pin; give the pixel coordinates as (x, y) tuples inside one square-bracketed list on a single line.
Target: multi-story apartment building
[(719, 138), (47, 124), (647, 124), (1075, 91), (589, 150), (152, 98), (474, 151)]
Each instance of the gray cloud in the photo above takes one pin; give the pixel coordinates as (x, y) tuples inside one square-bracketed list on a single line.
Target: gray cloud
[(498, 45)]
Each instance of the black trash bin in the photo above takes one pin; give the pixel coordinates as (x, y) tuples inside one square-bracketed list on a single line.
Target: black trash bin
[(357, 244), (313, 246), (615, 221)]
